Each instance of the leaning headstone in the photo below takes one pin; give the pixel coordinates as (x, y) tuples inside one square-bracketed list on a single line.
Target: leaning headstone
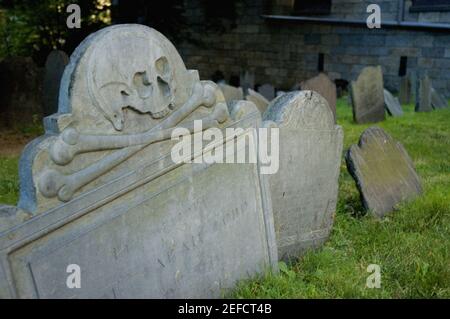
[(231, 93), (383, 171), (54, 68), (325, 87), (392, 104), (405, 90), (304, 190), (101, 192), (247, 81), (267, 90), (423, 99), (260, 101), (367, 96), (437, 100)]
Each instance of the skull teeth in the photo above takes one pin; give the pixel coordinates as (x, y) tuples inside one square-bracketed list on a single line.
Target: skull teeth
[(160, 114)]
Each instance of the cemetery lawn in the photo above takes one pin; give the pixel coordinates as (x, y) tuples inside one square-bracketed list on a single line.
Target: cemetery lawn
[(412, 245)]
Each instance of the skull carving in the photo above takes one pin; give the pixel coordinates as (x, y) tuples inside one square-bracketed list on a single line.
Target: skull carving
[(134, 73)]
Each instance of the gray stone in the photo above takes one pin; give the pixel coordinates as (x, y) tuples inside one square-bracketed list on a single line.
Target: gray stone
[(423, 99), (383, 171), (54, 68), (267, 90), (260, 101), (231, 93), (325, 87), (437, 100), (247, 81), (304, 191), (392, 104), (367, 96), (405, 90), (100, 189)]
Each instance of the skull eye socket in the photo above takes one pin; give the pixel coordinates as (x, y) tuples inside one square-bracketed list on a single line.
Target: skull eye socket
[(162, 66), (143, 85)]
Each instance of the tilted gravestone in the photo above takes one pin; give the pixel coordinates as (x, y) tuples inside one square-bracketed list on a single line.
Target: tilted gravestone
[(383, 171), (437, 100), (267, 90), (304, 190), (392, 104), (54, 68), (325, 87), (367, 96), (423, 97), (231, 93), (260, 101), (100, 191)]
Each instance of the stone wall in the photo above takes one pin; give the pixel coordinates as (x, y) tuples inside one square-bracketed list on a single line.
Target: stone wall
[(285, 52)]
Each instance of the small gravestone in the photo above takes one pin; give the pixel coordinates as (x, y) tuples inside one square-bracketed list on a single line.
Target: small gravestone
[(405, 90), (267, 90), (423, 98), (325, 87), (437, 100), (383, 171), (101, 191), (304, 190), (231, 93), (260, 101), (247, 81), (54, 68), (392, 104), (368, 96)]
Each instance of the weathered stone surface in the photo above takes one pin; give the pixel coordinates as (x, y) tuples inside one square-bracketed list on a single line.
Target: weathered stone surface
[(423, 97), (231, 93), (367, 96), (437, 100), (304, 191), (405, 90), (260, 101), (325, 87), (101, 190), (392, 104), (21, 98), (267, 90), (383, 171), (54, 68)]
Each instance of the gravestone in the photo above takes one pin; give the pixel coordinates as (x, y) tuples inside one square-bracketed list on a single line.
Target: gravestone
[(392, 104), (304, 190), (437, 100), (423, 98), (267, 90), (325, 87), (383, 171), (260, 101), (405, 90), (100, 190), (231, 93), (247, 81), (54, 68), (368, 96)]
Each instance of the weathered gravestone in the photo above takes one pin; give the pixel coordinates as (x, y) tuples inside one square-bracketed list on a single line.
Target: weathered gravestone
[(54, 68), (437, 100), (383, 171), (260, 101), (392, 104), (423, 96), (405, 90), (367, 96), (100, 190), (325, 87), (247, 81), (267, 90), (231, 93), (304, 190)]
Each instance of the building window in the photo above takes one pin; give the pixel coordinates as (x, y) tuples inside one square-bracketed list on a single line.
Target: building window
[(312, 7), (429, 5)]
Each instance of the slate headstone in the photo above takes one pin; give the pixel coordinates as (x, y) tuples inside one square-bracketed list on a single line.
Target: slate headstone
[(54, 68), (260, 101), (304, 190), (368, 96), (392, 104), (437, 100), (405, 90), (325, 87), (423, 99), (267, 90), (247, 81), (383, 171)]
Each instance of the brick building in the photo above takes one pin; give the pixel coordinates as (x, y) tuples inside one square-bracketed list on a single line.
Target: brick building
[(286, 41)]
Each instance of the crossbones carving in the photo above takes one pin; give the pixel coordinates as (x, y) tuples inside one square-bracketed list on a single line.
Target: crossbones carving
[(52, 183)]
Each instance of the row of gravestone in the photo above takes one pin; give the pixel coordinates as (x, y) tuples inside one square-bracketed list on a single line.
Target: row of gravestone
[(100, 192), (369, 98)]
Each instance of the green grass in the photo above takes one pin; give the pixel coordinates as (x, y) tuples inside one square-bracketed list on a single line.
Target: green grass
[(411, 245)]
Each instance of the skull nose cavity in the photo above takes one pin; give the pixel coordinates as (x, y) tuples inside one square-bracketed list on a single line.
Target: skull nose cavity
[(163, 87)]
